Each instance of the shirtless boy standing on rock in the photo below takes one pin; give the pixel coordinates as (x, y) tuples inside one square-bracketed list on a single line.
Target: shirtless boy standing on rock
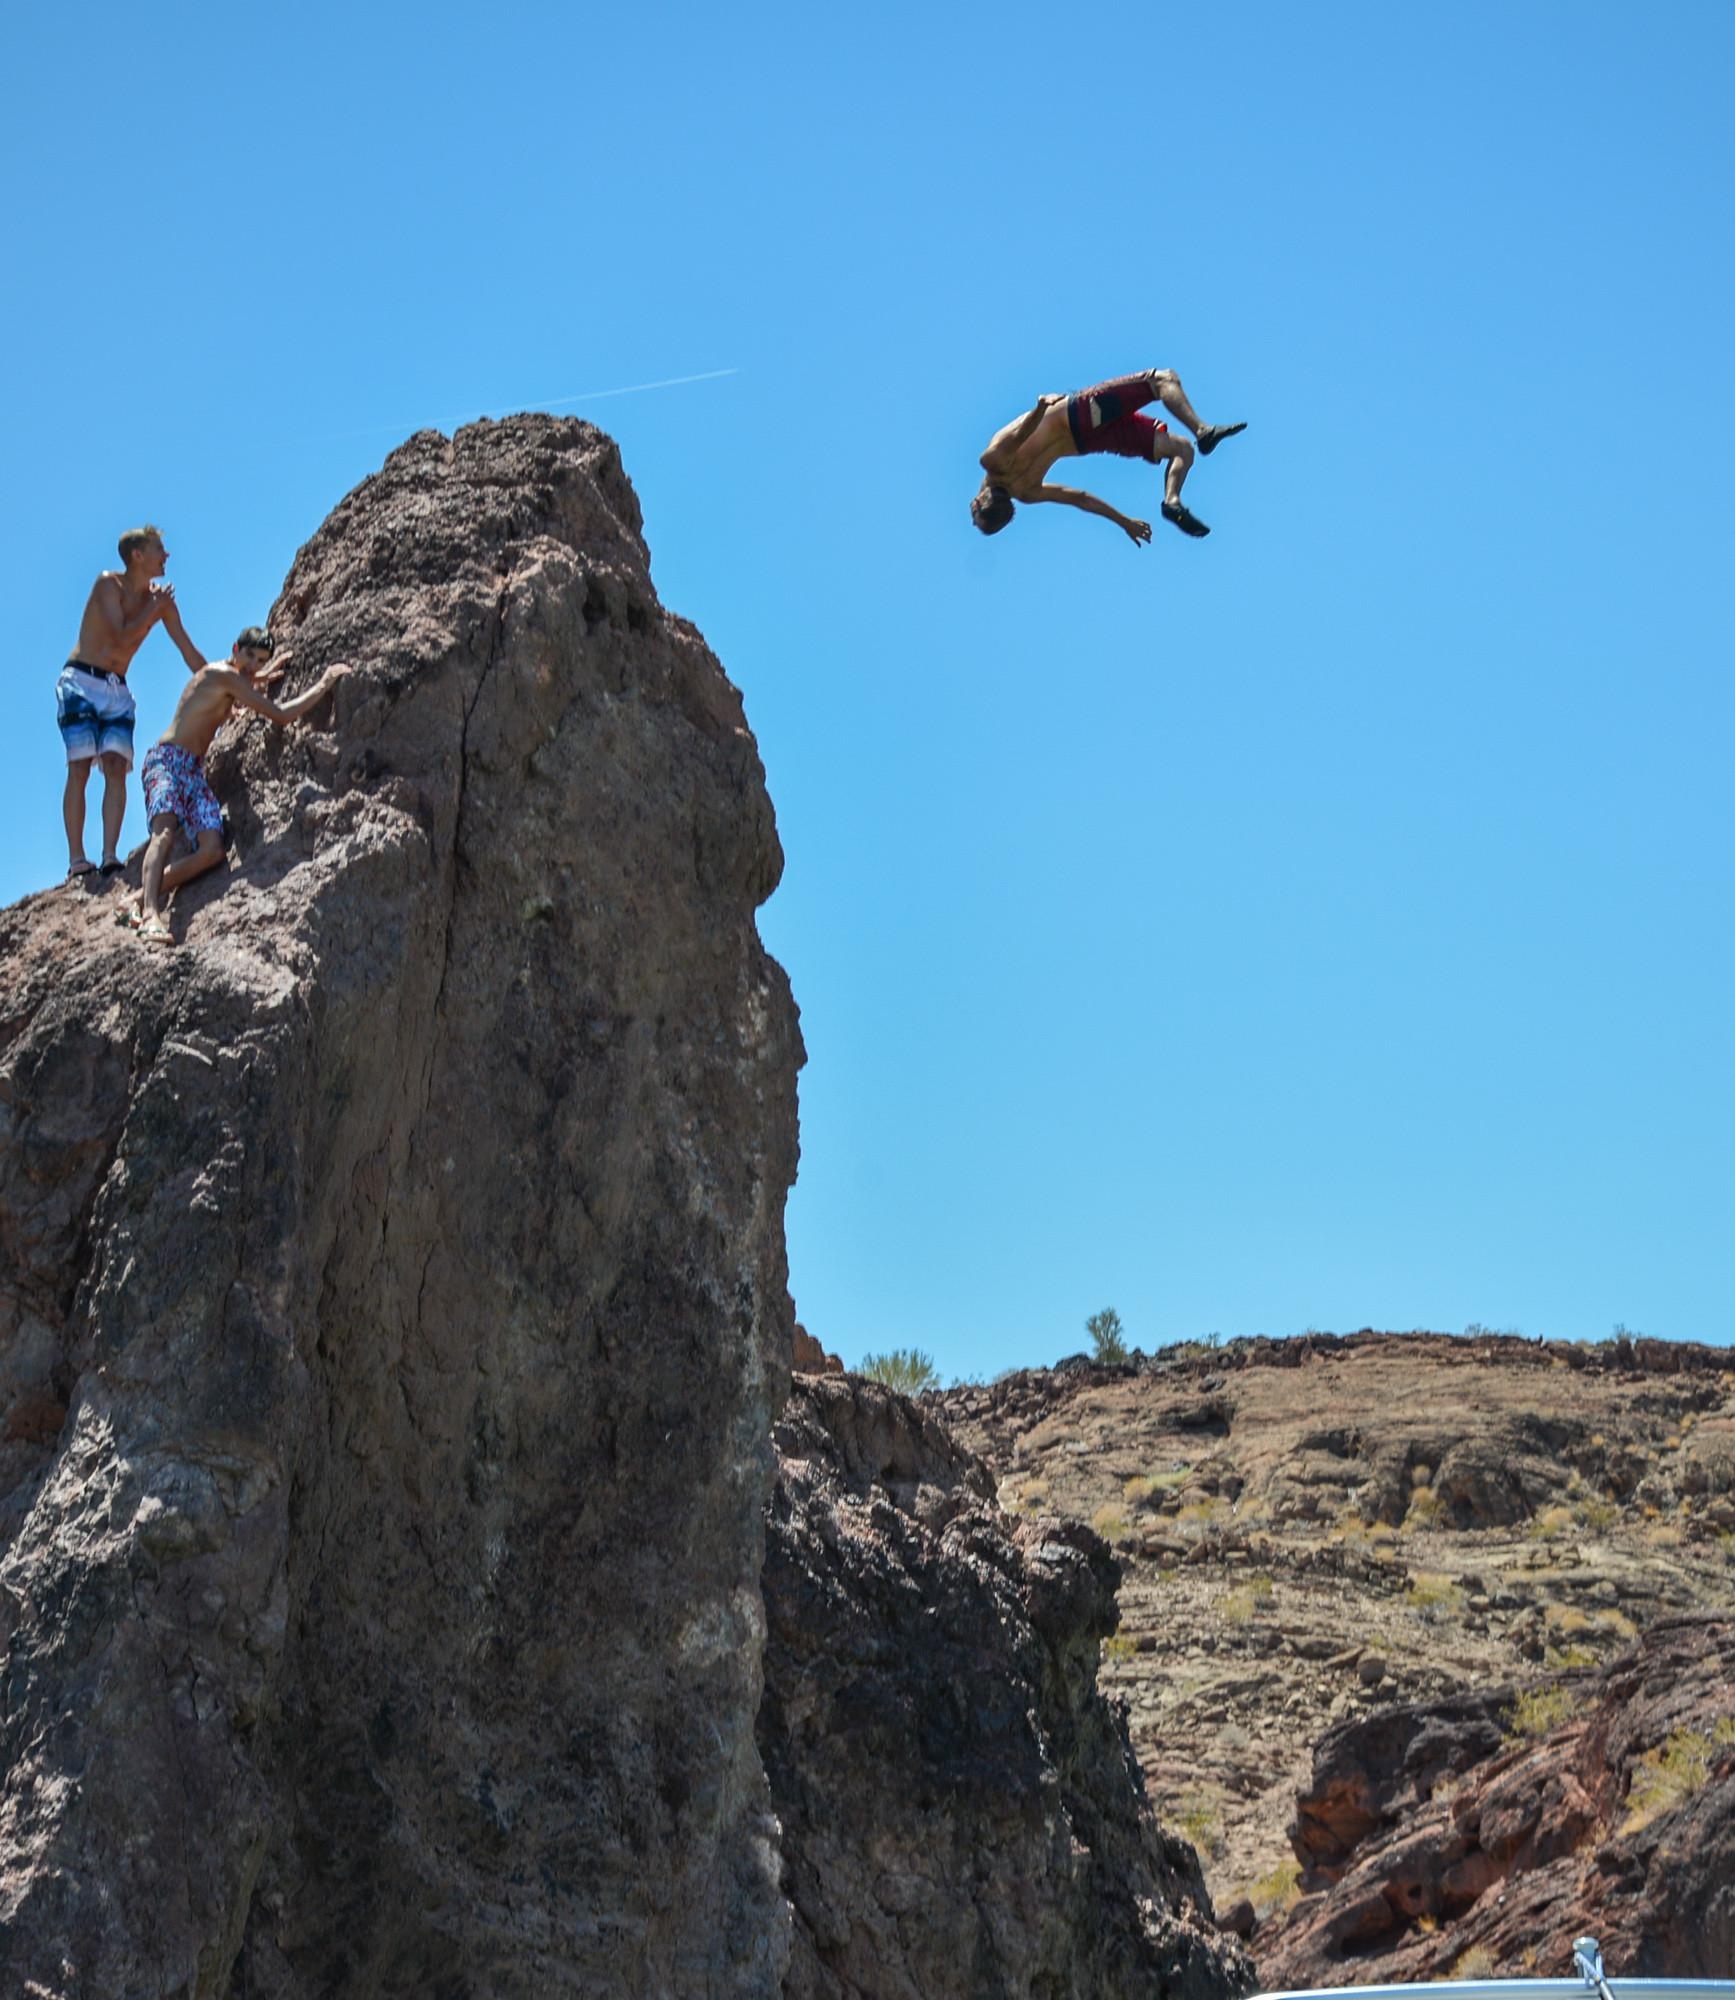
[(93, 704), (1105, 418), (177, 792)]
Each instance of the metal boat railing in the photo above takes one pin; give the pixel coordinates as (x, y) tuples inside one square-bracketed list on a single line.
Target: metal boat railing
[(1592, 1983)]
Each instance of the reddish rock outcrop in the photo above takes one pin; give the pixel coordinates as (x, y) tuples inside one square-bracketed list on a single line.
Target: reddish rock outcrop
[(1440, 1836), (393, 1306), (960, 1807)]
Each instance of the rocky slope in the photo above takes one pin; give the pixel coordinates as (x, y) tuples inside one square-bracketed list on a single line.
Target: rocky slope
[(960, 1809), (1319, 1534)]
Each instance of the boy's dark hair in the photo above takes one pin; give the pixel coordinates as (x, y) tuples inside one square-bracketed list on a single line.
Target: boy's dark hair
[(991, 509), (254, 640), (139, 538)]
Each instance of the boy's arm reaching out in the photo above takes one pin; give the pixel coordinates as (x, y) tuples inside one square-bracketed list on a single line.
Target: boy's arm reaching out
[(246, 695), (1070, 496), (170, 613)]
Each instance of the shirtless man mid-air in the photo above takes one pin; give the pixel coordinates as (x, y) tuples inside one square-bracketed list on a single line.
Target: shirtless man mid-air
[(1105, 418), (177, 792), (93, 704)]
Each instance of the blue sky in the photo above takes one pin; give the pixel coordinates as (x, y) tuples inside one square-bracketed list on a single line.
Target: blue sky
[(1326, 924)]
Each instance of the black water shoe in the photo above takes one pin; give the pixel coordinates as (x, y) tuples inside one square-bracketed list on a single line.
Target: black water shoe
[(1184, 518), (1212, 435)]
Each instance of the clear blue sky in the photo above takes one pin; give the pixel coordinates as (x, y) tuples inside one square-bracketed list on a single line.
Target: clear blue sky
[(1326, 924)]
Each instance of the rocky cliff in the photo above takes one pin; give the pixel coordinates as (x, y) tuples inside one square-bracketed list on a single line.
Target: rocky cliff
[(393, 1324), (393, 1306), (961, 1812)]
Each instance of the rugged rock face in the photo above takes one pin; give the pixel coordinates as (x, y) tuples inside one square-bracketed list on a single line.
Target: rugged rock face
[(393, 1307), (1326, 1539), (1472, 1838), (961, 1812)]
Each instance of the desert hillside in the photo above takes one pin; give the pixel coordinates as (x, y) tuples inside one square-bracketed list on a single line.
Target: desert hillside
[(1321, 1533)]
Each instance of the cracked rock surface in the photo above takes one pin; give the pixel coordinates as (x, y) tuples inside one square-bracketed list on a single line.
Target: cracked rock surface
[(961, 1811), (393, 1306)]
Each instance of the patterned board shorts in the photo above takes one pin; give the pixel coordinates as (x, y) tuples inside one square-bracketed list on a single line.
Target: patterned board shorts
[(1106, 418), (174, 781), (95, 712)]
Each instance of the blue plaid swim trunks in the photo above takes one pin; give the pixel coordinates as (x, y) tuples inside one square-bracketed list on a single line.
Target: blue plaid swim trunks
[(174, 781), (95, 711)]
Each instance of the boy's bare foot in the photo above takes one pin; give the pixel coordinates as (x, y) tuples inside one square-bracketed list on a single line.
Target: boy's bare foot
[(1184, 518), (1212, 435)]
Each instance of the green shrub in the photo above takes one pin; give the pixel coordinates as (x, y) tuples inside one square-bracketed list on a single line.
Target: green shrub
[(1279, 1891), (1671, 1773), (1111, 1523), (1107, 1335), (1430, 1593), (906, 1369), (1240, 1604), (1200, 1821), (1538, 1710)]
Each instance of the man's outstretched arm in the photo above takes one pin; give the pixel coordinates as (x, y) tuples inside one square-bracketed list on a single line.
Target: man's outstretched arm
[(171, 617), (248, 696), (1070, 496)]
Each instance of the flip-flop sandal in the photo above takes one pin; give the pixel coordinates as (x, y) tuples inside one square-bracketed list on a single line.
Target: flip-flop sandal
[(79, 870), (115, 867), (1214, 434), (157, 934), (129, 916), (1184, 518)]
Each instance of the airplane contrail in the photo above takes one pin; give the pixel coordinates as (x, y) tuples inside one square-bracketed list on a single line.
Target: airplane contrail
[(541, 403)]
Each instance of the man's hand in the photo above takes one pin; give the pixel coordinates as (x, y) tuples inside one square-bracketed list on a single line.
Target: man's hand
[(162, 599), (1140, 531)]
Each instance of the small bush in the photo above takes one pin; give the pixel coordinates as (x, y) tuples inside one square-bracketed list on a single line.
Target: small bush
[(1200, 1821), (1562, 1658), (1537, 1711), (1433, 1593), (1240, 1604), (1550, 1524), (1119, 1646), (1107, 1335), (1111, 1523), (1279, 1891), (1425, 1510), (1476, 1963), (1663, 1778), (906, 1369)]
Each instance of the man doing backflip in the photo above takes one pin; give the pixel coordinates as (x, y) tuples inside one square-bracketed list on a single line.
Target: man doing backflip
[(177, 792), (1103, 419), (93, 704)]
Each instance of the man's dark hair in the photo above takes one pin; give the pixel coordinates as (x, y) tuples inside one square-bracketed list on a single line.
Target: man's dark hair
[(991, 509), (254, 640), (139, 538)]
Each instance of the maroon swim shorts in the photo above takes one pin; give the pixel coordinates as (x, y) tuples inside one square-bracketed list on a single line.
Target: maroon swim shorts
[(1105, 419)]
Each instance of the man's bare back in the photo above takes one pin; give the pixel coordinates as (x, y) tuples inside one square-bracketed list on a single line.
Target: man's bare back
[(1020, 453)]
